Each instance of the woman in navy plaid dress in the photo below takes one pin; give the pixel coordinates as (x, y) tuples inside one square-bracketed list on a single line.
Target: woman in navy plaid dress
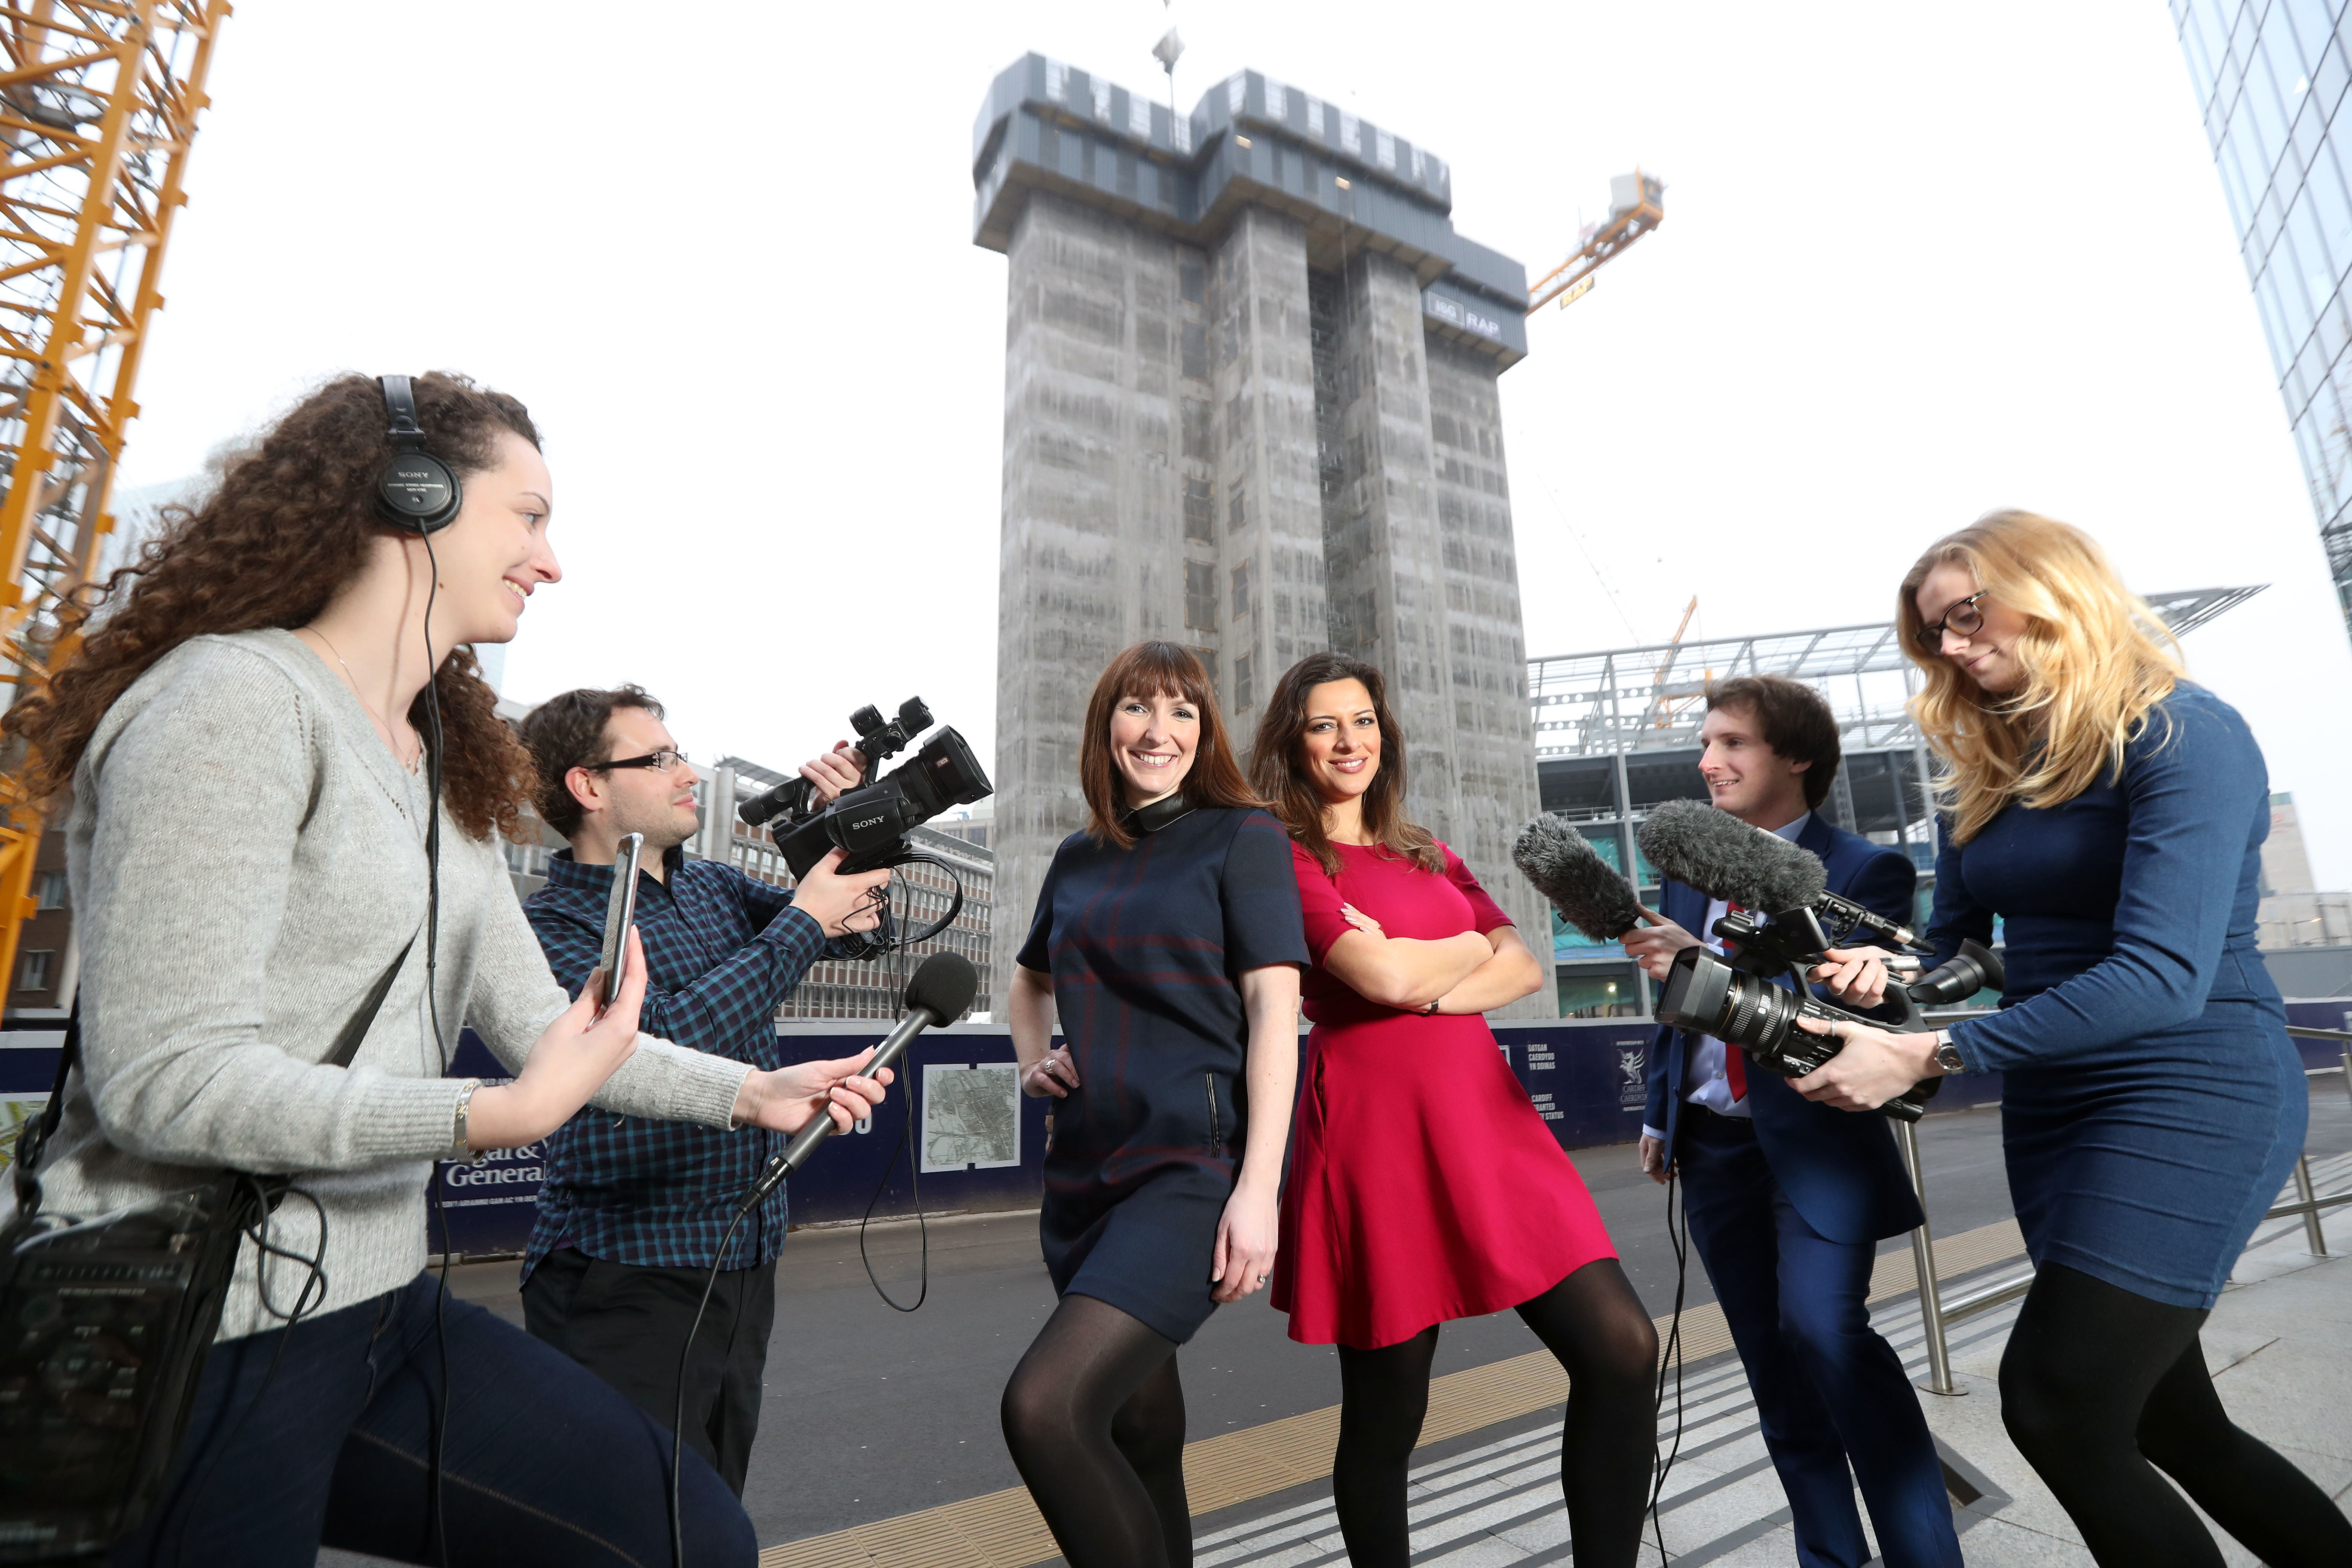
[(1168, 937)]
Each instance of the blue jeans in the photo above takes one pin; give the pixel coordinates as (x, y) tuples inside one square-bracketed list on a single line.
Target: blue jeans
[(543, 1462), (1830, 1392)]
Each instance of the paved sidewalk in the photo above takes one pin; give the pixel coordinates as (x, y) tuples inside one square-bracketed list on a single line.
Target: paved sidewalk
[(2280, 1341), (2280, 1344)]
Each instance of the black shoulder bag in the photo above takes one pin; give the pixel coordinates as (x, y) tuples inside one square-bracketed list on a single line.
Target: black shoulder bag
[(105, 1323)]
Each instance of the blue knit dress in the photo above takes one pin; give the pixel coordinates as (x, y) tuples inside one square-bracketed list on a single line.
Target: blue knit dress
[(2151, 1103)]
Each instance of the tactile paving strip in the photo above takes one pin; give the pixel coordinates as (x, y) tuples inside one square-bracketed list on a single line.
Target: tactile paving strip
[(1002, 1530)]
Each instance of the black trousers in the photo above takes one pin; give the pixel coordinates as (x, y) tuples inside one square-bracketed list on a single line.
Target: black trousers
[(626, 1322)]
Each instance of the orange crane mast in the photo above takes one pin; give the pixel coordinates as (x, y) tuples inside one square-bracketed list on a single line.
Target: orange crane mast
[(99, 100)]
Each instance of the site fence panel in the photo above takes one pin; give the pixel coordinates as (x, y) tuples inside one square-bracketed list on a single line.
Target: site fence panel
[(1588, 1078)]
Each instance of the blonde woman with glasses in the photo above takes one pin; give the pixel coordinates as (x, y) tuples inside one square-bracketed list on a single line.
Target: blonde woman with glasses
[(2111, 814)]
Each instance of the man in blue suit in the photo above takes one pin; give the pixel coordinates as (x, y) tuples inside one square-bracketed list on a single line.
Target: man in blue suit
[(1787, 1200)]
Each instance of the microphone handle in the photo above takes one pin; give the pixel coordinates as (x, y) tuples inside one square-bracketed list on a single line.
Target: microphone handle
[(820, 1126)]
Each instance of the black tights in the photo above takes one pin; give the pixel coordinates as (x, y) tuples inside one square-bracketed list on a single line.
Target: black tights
[(1095, 1418), (2101, 1387), (1594, 1323)]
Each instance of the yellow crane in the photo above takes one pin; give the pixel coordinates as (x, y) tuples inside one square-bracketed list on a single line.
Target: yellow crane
[(99, 100), (1666, 702), (1636, 206)]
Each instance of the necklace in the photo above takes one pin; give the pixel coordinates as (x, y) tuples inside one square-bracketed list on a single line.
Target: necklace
[(383, 725)]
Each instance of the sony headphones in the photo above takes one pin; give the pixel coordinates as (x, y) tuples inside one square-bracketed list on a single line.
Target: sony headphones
[(416, 491)]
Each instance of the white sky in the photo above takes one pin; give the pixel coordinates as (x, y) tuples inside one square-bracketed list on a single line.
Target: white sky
[(1918, 262)]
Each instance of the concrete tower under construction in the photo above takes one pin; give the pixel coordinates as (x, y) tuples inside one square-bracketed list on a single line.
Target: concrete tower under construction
[(1250, 405)]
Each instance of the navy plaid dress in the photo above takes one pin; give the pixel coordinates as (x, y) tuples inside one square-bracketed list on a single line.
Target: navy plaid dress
[(1147, 946)]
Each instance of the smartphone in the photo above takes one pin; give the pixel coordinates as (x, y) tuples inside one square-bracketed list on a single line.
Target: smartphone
[(619, 910)]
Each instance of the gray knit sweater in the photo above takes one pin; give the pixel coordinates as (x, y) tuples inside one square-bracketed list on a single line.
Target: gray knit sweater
[(246, 858)]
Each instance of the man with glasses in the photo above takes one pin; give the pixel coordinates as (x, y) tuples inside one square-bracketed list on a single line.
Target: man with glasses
[(633, 1210)]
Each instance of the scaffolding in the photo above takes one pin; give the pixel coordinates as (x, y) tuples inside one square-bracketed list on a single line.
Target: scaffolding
[(1652, 699), (1617, 734)]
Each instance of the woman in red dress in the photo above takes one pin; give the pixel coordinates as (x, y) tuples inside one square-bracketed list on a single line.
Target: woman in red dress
[(1423, 1185)]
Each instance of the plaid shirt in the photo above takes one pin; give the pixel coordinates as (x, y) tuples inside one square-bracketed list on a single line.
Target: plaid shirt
[(722, 950)]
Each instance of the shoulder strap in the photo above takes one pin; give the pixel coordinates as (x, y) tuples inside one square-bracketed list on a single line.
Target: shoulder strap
[(36, 1133), (55, 1110), (347, 1044)]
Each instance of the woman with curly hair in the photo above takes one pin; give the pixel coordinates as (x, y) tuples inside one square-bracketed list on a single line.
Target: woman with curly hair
[(2112, 815), (243, 733)]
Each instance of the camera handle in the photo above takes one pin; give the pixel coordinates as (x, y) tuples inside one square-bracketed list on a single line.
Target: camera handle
[(1912, 1103), (1758, 959)]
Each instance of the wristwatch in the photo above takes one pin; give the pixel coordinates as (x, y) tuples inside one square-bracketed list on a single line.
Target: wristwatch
[(1947, 1055)]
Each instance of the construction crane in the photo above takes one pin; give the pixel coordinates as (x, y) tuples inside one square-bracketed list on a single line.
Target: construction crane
[(1666, 702), (99, 101), (1636, 206)]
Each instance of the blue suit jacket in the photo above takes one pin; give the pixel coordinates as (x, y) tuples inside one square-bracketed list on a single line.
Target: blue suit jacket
[(1840, 1168)]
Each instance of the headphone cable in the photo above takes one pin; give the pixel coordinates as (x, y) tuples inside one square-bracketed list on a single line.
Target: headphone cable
[(433, 754)]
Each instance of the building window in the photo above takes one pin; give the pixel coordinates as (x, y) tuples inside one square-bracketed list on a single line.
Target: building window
[(1192, 277), (1194, 339), (1237, 509), (1243, 695), (1208, 658), (1241, 596), (32, 971), (1196, 413), (49, 887), (1200, 511), (1200, 596)]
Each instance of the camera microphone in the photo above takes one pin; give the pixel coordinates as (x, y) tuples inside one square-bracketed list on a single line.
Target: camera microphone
[(943, 987), (1694, 843), (1562, 865)]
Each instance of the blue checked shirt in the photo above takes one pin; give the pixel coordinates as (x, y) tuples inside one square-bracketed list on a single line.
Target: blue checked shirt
[(722, 950)]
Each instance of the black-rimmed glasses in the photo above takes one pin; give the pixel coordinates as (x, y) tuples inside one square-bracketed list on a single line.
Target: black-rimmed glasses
[(1962, 619), (660, 761)]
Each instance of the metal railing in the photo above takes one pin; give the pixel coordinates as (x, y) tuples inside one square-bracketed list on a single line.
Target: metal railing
[(1938, 1315), (2304, 920)]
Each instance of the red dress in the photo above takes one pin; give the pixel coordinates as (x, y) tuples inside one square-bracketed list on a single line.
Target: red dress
[(1423, 1185)]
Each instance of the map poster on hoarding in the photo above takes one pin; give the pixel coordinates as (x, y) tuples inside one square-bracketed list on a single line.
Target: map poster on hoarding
[(16, 1109), (972, 1116)]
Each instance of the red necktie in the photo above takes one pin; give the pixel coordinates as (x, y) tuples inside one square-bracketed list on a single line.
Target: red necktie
[(1735, 1060)]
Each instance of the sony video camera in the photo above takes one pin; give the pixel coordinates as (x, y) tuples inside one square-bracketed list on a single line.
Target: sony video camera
[(1735, 998), (870, 824)]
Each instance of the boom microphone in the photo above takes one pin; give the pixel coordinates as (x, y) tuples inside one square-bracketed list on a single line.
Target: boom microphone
[(1693, 843), (1564, 867), (943, 987)]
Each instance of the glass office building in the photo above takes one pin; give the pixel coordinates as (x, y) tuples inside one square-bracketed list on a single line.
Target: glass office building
[(2270, 77)]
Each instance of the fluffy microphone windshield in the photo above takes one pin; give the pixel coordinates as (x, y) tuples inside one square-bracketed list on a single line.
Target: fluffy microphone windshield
[(1586, 890), (1695, 844), (943, 985)]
